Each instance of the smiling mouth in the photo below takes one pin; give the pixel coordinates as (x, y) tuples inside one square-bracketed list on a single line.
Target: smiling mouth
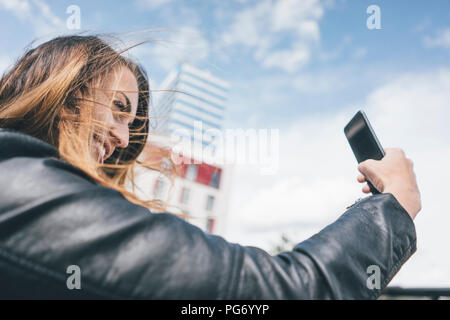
[(102, 149)]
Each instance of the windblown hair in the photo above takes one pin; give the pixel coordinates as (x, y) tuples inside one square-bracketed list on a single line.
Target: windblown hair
[(50, 93)]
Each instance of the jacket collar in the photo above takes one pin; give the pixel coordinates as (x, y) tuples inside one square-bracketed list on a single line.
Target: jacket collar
[(17, 144)]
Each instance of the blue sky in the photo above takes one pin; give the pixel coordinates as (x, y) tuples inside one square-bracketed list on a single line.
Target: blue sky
[(303, 67), (346, 59)]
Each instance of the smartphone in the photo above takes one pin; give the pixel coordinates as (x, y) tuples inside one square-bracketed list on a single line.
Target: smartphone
[(363, 141)]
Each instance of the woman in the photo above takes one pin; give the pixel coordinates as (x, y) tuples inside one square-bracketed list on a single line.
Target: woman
[(74, 114)]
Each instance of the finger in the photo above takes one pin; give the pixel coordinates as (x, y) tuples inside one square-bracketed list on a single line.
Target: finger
[(365, 166), (394, 151), (361, 178), (366, 188)]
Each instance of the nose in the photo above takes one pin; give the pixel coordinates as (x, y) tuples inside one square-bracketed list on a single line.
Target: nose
[(119, 136)]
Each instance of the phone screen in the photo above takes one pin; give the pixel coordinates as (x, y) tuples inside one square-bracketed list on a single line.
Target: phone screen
[(362, 138)]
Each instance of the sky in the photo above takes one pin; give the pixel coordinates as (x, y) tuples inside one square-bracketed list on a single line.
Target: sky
[(303, 67)]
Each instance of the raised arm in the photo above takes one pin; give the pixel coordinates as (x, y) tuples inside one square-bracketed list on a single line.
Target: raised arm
[(123, 251)]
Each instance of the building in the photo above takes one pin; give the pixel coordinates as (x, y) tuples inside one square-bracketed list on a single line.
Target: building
[(192, 95), (201, 188)]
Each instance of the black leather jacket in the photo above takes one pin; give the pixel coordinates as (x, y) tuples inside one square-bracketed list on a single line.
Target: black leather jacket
[(52, 216)]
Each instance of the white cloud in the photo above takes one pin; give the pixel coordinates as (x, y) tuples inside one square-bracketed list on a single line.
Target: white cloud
[(185, 44), (47, 13), (289, 60), (249, 25), (317, 176), (263, 26), (37, 13), (20, 8), (441, 40), (296, 15)]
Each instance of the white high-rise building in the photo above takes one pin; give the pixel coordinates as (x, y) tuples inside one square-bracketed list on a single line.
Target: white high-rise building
[(192, 95), (201, 191)]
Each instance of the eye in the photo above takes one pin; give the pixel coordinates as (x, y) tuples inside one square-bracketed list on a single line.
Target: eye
[(123, 115)]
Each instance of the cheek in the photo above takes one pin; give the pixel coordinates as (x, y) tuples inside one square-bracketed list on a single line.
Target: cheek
[(124, 131), (101, 110), (102, 114)]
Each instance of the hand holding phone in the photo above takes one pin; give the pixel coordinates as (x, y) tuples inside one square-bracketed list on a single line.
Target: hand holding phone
[(363, 141), (394, 174)]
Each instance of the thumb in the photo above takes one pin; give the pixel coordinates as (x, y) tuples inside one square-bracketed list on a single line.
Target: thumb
[(368, 169)]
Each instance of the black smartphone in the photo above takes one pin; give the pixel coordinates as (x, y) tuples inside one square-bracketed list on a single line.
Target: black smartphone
[(363, 141)]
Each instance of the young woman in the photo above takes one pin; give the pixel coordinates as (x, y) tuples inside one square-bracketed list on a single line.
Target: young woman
[(74, 118)]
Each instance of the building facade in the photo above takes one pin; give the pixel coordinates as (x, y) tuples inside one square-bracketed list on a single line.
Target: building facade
[(193, 102)]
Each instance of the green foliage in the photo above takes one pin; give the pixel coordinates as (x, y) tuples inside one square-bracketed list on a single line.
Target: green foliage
[(285, 244)]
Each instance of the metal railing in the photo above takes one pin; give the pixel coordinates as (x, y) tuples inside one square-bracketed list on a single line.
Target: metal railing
[(415, 293)]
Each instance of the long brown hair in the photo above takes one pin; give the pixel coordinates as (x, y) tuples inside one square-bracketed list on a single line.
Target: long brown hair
[(48, 94)]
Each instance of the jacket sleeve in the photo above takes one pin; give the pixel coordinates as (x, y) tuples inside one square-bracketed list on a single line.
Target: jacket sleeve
[(124, 251)]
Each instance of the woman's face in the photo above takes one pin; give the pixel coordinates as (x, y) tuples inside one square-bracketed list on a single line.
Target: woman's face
[(120, 91)]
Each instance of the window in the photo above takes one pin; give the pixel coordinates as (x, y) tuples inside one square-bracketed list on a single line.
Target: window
[(210, 203), (210, 225), (191, 172), (215, 180), (184, 196)]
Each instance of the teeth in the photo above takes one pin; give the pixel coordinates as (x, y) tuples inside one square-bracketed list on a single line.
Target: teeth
[(102, 151)]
